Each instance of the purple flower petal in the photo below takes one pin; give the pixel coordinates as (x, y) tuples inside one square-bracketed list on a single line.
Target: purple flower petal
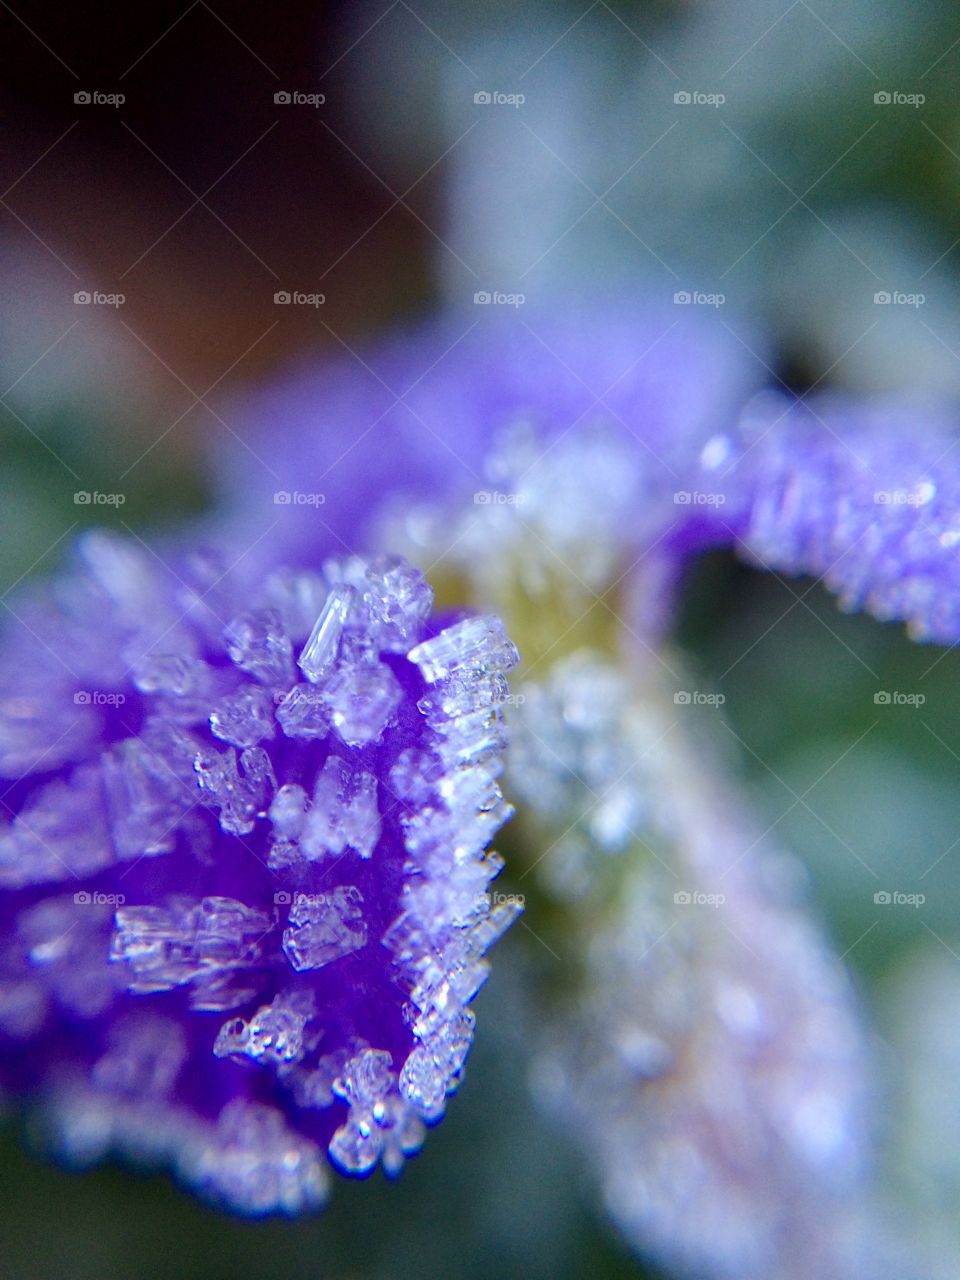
[(244, 870), (865, 495)]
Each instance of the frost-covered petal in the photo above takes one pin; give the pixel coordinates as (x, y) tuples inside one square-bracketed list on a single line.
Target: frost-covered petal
[(866, 495), (226, 931)]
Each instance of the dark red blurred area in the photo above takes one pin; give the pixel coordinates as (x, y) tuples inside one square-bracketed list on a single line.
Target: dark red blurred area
[(200, 196)]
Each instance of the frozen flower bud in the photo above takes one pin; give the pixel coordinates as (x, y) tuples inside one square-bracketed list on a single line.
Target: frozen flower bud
[(244, 863)]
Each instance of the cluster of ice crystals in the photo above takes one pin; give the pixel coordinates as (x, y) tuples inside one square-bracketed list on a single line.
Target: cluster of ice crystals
[(302, 713), (279, 788), (148, 789), (257, 642), (594, 766), (254, 1164), (245, 717), (380, 1126), (274, 1035), (343, 814), (361, 701), (464, 658), (203, 945), (395, 599), (248, 1161), (568, 508), (240, 796), (447, 923), (325, 927)]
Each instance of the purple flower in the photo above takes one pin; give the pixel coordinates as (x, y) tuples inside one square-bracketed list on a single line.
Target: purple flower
[(245, 883), (273, 788)]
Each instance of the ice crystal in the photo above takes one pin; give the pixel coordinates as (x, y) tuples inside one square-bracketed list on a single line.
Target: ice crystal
[(325, 928)]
